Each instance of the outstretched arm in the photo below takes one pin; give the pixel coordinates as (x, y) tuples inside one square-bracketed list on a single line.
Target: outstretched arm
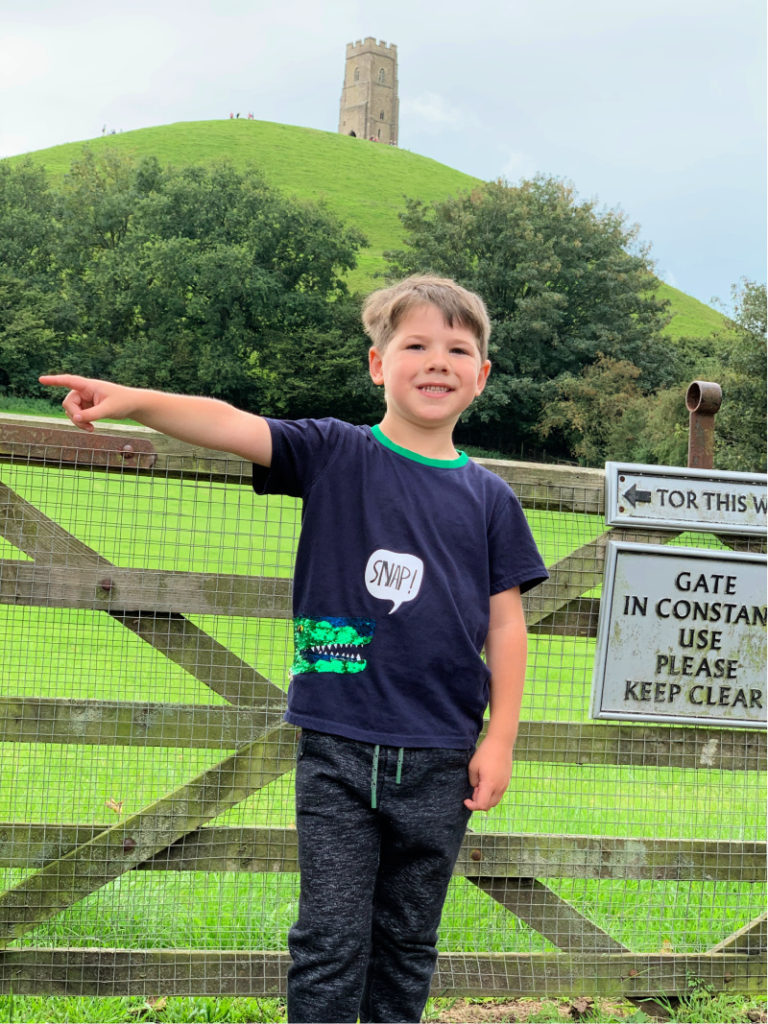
[(505, 655), (204, 421)]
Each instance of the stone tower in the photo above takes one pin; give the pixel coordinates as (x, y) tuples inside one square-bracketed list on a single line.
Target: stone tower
[(369, 104)]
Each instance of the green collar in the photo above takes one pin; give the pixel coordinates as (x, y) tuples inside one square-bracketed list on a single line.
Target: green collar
[(461, 460)]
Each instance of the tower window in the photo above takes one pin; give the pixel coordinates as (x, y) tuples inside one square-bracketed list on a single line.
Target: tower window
[(381, 116), (381, 75), (357, 74)]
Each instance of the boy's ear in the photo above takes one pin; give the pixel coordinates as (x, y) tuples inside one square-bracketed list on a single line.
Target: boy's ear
[(482, 377), (375, 365)]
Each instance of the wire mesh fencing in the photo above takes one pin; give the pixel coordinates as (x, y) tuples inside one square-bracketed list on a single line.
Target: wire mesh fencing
[(147, 842)]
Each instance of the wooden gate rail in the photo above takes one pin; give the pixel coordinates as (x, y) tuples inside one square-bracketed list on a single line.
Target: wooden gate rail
[(124, 972), (484, 855), (130, 591), (69, 862), (579, 489), (143, 724)]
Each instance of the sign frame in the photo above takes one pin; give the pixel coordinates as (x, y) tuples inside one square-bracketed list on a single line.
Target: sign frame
[(690, 482), (606, 624)]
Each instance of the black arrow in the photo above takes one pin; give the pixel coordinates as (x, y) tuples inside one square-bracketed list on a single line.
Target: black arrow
[(634, 496)]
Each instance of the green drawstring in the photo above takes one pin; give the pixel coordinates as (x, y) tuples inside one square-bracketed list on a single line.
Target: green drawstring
[(374, 776), (375, 772)]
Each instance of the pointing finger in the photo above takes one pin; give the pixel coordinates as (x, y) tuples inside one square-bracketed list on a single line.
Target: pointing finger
[(63, 380)]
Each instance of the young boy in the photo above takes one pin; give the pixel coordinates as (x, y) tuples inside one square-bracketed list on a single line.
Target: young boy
[(411, 560)]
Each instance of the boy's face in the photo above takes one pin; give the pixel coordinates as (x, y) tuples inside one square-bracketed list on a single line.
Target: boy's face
[(431, 372)]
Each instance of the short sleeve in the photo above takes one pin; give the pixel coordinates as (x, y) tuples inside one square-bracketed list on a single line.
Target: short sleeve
[(514, 558), (300, 451)]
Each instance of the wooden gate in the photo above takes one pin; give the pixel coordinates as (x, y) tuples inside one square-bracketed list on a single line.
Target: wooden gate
[(517, 874)]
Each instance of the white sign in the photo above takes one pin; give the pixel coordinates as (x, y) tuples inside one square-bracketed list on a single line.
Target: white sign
[(667, 498), (681, 636)]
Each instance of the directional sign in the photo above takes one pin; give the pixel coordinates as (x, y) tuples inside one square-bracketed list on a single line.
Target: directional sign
[(635, 497), (682, 636), (666, 498)]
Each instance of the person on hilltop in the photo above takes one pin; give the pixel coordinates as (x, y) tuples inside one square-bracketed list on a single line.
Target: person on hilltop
[(411, 561)]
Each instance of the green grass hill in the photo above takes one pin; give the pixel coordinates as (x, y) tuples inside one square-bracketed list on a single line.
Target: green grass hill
[(362, 182)]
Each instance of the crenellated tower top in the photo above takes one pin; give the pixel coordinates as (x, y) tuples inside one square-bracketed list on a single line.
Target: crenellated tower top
[(353, 49)]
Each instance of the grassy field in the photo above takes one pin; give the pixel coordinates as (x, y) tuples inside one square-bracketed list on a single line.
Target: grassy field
[(80, 654), (364, 183), (194, 526)]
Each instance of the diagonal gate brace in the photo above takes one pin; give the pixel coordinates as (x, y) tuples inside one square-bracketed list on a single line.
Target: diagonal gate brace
[(118, 849), (549, 914), (578, 572), (751, 939), (48, 543)]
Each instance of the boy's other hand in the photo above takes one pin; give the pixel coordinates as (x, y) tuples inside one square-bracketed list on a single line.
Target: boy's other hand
[(489, 772), (90, 399)]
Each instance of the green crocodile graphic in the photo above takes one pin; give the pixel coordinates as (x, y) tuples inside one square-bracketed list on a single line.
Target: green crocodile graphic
[(331, 644)]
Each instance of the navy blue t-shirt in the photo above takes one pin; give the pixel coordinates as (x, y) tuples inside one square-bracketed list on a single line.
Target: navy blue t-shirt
[(396, 563)]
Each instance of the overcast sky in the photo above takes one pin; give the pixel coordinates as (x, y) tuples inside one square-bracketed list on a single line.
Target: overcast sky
[(654, 106)]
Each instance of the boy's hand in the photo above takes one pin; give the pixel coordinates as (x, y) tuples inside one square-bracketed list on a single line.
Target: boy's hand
[(90, 400), (489, 772)]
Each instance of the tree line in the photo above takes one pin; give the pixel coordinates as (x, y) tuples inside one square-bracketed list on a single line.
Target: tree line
[(207, 280)]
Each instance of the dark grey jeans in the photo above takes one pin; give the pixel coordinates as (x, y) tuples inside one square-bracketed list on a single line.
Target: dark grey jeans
[(379, 831)]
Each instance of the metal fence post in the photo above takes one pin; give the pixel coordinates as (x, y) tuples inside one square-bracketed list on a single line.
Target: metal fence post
[(702, 400)]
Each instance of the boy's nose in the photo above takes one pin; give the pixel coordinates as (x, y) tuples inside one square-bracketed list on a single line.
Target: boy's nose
[(437, 361)]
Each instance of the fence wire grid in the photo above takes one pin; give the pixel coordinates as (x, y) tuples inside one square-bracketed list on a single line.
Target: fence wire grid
[(147, 835)]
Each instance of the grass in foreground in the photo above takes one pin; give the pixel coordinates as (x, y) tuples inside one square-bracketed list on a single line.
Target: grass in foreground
[(700, 1007)]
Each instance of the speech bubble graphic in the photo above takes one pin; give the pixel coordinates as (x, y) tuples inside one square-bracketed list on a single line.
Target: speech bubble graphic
[(394, 576)]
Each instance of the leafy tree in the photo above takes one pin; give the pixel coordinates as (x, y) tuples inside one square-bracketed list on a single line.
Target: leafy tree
[(736, 359), (28, 345), (32, 311), (182, 277), (600, 412), (564, 282), (740, 425), (663, 438), (95, 206), (25, 220), (317, 373), (203, 279)]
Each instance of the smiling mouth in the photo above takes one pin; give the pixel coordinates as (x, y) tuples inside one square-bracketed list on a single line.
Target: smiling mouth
[(435, 389)]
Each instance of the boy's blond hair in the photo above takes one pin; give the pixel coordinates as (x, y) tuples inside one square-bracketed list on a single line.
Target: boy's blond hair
[(384, 309)]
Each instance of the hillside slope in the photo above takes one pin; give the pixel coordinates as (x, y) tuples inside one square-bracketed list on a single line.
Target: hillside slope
[(363, 182)]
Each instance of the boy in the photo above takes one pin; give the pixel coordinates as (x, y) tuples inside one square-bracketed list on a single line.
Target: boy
[(411, 559)]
